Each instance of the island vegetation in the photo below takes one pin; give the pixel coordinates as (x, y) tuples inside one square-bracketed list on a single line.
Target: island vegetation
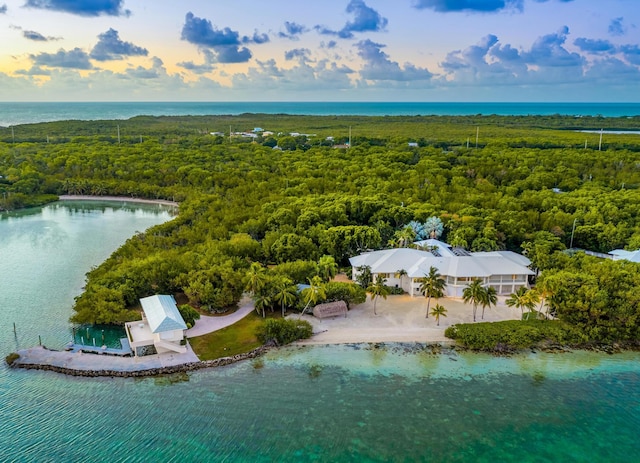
[(267, 211)]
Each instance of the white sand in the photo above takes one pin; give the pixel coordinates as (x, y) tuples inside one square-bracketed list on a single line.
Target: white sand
[(400, 319)]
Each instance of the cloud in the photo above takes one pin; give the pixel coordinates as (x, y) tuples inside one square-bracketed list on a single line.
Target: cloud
[(33, 35), (479, 6), (297, 53), (110, 47), (74, 59), (378, 67), (293, 30), (474, 6), (548, 50), (616, 27), (82, 7), (34, 71), (594, 45), (366, 19), (204, 68), (3, 9), (156, 70), (225, 42), (631, 53), (257, 38)]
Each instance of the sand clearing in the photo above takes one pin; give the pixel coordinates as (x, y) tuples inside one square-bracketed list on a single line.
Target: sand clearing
[(400, 319)]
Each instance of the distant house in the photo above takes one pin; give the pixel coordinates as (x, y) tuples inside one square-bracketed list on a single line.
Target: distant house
[(621, 254), (161, 326), (505, 271), (217, 134), (413, 144)]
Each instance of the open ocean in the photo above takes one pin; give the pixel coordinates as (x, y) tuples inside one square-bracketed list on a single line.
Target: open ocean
[(28, 113)]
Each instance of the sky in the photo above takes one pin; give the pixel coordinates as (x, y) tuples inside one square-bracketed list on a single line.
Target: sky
[(320, 50)]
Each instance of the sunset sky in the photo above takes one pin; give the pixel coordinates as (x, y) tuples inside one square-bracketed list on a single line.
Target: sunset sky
[(329, 50)]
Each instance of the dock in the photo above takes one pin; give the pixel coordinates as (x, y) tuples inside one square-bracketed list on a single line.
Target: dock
[(124, 351)]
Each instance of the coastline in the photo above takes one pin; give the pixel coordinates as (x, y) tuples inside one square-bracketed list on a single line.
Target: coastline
[(127, 199)]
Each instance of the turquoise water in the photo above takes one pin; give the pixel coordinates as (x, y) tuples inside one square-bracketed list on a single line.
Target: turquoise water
[(26, 113), (330, 404)]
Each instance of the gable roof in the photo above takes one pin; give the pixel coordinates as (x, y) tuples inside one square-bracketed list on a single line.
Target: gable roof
[(633, 256), (162, 313)]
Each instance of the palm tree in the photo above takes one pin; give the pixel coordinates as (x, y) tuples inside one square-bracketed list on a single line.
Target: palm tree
[(256, 278), (521, 299), (438, 311), (432, 285), (314, 293), (489, 298), (378, 289), (261, 302), (400, 274), (286, 293), (473, 292), (327, 268)]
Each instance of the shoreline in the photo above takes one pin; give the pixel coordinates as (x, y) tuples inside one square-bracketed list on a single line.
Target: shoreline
[(126, 199)]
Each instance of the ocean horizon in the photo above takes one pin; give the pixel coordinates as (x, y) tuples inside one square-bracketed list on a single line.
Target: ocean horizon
[(17, 113)]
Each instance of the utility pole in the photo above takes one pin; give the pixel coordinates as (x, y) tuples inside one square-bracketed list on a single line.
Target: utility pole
[(118, 134), (477, 135), (600, 144), (572, 232)]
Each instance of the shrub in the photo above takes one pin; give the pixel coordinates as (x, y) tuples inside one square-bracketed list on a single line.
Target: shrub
[(512, 334), (283, 331), (189, 314), (350, 293), (11, 358)]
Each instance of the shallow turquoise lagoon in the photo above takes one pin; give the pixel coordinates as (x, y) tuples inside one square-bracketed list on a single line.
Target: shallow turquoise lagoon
[(354, 403)]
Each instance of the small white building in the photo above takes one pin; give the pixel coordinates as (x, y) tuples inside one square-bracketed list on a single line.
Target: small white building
[(622, 254), (161, 326), (505, 271)]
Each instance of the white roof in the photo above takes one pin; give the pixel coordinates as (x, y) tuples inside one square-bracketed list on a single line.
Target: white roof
[(162, 313), (417, 262), (633, 256)]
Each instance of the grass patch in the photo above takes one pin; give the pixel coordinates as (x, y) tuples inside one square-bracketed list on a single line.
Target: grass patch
[(12, 357), (235, 339)]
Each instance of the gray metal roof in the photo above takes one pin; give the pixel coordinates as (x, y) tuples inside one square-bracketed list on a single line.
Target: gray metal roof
[(162, 313)]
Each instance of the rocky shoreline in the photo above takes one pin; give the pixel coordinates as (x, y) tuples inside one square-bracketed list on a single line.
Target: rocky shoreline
[(167, 370)]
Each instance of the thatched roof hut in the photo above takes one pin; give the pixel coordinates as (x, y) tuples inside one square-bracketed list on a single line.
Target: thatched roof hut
[(330, 309)]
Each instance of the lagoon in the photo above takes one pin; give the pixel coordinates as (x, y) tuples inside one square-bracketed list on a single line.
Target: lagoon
[(329, 403)]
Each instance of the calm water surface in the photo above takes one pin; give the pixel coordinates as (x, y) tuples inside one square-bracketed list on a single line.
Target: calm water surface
[(343, 403)]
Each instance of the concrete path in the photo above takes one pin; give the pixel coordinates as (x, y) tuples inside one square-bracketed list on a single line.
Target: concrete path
[(90, 362), (208, 324)]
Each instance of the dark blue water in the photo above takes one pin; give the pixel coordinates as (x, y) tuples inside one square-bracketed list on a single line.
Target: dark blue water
[(25, 113)]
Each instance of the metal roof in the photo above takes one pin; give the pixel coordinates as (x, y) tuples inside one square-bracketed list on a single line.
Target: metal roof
[(162, 313), (417, 263)]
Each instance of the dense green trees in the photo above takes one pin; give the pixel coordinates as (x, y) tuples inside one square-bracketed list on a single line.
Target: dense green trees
[(245, 203)]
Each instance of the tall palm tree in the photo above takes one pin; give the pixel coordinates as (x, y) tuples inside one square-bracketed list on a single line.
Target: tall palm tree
[(256, 278), (261, 302), (432, 285), (521, 299), (378, 289), (314, 293), (489, 298), (438, 311), (473, 292), (327, 268), (286, 293)]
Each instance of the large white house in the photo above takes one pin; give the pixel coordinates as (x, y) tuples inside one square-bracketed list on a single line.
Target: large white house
[(161, 326), (505, 271), (621, 254)]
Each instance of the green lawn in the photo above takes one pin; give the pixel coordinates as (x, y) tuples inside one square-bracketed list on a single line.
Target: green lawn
[(235, 339)]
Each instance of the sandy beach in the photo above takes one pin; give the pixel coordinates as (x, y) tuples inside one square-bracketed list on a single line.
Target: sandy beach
[(400, 319)]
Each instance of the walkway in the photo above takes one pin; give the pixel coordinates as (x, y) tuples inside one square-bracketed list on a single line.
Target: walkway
[(206, 324)]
